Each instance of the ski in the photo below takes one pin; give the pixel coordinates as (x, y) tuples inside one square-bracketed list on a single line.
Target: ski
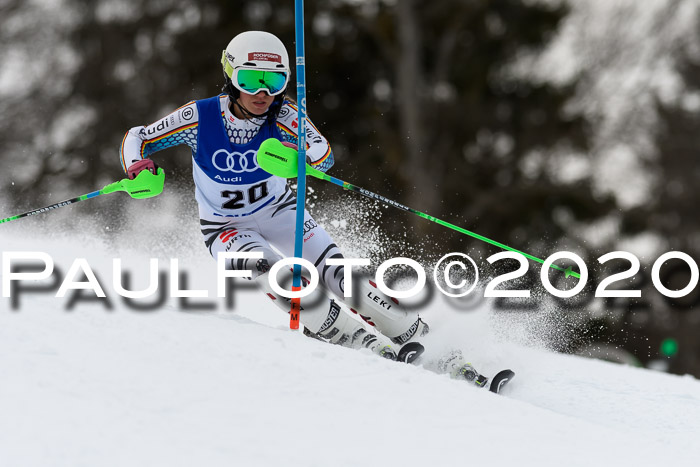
[(410, 352), (454, 365), (501, 379)]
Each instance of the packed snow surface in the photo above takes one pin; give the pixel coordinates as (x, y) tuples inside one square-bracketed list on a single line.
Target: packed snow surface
[(84, 384)]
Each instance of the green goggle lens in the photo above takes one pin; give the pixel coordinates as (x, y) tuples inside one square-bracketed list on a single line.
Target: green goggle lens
[(254, 81)]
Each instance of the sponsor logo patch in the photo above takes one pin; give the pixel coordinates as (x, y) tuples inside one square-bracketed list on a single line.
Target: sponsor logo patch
[(226, 235), (235, 162), (187, 113), (333, 313), (264, 56), (378, 299), (406, 336), (309, 226)]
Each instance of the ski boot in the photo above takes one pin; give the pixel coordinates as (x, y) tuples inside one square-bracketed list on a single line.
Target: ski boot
[(377, 343), (453, 364)]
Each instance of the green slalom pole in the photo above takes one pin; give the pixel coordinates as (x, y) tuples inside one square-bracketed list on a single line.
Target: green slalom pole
[(280, 160), (145, 185)]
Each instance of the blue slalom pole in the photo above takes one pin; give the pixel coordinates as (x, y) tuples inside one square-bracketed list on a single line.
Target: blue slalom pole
[(301, 169)]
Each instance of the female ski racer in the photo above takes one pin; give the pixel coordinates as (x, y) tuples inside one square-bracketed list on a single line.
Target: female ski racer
[(242, 208)]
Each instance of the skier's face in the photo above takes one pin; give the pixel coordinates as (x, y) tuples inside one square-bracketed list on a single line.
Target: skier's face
[(257, 104)]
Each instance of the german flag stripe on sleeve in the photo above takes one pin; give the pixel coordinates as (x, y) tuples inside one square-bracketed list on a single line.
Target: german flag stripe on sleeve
[(325, 156), (286, 130), (289, 132), (170, 133)]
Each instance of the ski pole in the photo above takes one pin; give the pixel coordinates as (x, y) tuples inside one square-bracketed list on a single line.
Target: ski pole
[(145, 185), (280, 160), (301, 175)]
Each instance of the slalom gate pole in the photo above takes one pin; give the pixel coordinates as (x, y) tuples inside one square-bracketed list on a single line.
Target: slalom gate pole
[(145, 185), (301, 165), (280, 160)]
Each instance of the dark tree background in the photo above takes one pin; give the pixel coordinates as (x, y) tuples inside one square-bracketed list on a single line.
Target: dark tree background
[(418, 100)]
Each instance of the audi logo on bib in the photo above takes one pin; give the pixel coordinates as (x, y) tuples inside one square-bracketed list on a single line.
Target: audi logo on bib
[(235, 162)]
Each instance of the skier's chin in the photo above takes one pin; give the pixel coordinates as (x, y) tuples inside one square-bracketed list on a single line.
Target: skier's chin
[(258, 110)]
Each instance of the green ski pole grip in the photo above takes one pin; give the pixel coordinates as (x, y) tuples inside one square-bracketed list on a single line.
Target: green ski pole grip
[(145, 185)]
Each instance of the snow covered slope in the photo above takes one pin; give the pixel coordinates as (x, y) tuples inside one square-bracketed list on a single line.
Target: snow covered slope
[(92, 386)]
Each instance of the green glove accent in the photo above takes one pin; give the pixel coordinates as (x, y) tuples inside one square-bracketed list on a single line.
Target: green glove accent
[(145, 185), (278, 159)]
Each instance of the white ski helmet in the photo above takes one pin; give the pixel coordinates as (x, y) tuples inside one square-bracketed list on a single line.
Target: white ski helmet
[(256, 50)]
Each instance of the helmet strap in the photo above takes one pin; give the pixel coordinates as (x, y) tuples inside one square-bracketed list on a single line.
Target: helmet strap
[(274, 110), (248, 115)]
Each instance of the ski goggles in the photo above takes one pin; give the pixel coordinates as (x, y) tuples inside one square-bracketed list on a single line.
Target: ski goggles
[(254, 81)]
